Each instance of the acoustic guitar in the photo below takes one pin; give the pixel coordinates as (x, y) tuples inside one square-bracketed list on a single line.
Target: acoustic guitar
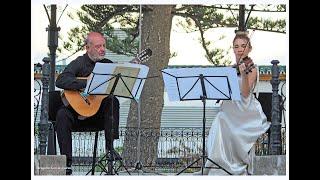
[(89, 105)]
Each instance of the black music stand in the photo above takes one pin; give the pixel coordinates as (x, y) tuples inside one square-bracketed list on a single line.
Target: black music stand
[(200, 87), (125, 81)]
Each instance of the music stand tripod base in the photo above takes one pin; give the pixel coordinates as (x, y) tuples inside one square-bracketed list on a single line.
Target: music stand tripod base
[(106, 164)]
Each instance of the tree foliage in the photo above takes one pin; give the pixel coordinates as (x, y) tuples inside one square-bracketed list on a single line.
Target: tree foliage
[(202, 18), (104, 18)]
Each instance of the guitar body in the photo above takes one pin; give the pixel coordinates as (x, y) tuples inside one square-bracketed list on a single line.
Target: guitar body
[(86, 108)]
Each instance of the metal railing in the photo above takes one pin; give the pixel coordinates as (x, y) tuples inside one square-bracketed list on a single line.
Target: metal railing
[(176, 147)]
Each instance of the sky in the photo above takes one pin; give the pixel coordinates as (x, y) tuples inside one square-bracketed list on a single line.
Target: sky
[(267, 46)]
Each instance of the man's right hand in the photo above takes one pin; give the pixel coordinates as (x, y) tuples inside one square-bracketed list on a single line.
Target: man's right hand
[(83, 94)]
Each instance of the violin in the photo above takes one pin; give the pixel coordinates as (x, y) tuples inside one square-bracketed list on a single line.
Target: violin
[(249, 65)]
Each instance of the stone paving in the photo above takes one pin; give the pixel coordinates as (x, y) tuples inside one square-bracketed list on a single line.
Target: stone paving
[(55, 165)]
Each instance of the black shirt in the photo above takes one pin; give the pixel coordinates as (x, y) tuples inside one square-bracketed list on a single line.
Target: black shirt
[(82, 66)]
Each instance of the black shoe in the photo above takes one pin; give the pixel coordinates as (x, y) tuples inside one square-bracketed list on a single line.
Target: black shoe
[(68, 171)]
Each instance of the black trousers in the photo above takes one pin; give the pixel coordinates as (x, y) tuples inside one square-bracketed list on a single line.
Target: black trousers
[(67, 121)]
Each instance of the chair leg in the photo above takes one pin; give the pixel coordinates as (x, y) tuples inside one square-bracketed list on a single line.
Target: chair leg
[(94, 152)]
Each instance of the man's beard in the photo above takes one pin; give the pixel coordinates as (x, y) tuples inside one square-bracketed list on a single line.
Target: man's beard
[(97, 58)]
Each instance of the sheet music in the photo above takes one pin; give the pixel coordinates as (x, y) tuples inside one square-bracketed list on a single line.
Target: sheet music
[(102, 78), (216, 87), (125, 84)]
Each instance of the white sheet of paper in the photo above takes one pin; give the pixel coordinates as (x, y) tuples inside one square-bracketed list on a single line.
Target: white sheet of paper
[(101, 78), (213, 85)]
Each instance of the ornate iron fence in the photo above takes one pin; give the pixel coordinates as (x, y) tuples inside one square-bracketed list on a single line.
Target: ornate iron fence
[(177, 147)]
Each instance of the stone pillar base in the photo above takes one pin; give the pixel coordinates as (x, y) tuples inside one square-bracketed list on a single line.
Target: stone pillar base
[(269, 165), (50, 165)]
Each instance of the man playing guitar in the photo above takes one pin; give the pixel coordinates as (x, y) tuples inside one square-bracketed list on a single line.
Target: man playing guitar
[(67, 117)]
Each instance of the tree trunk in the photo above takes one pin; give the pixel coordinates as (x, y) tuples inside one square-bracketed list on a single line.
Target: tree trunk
[(156, 28)]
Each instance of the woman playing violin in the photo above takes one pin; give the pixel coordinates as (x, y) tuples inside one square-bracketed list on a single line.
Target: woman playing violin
[(238, 124), (241, 48)]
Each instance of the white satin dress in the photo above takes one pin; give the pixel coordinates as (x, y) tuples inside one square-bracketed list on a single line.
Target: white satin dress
[(232, 135)]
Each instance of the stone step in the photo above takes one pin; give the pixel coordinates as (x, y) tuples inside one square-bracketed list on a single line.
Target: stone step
[(50, 165)]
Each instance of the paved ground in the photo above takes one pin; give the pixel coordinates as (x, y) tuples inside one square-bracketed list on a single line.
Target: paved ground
[(131, 172)]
